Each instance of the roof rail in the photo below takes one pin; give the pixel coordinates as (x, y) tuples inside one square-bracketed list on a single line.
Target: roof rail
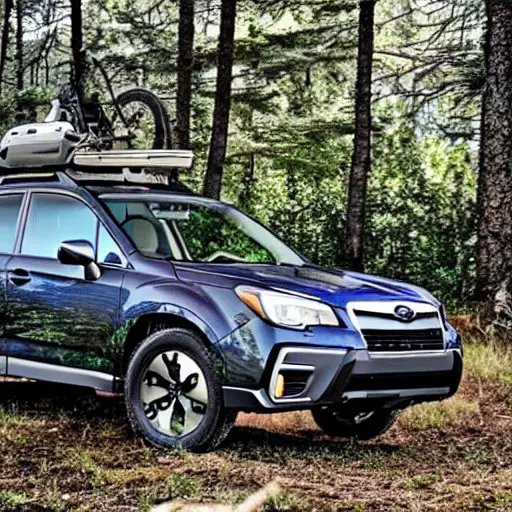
[(28, 177)]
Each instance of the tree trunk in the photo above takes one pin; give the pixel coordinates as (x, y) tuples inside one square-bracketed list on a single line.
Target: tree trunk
[(8, 6), (20, 72), (247, 182), (361, 156), (218, 145), (77, 43), (185, 64), (248, 177), (494, 250)]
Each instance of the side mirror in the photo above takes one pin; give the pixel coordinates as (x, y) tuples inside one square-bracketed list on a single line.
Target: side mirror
[(80, 252)]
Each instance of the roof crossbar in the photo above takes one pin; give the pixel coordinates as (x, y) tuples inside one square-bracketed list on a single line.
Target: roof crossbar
[(119, 175), (154, 158)]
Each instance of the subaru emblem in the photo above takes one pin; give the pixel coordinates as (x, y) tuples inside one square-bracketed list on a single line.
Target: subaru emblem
[(405, 313)]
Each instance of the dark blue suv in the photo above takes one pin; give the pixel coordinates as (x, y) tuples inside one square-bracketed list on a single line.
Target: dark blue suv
[(195, 311)]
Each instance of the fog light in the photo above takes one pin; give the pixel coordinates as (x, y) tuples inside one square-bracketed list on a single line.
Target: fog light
[(279, 386)]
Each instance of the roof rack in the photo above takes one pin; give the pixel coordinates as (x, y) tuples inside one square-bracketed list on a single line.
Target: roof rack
[(129, 167), (150, 158)]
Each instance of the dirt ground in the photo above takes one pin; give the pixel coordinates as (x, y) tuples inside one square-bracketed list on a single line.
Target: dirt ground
[(63, 449)]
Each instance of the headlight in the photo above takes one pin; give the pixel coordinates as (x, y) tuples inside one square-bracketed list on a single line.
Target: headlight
[(287, 310)]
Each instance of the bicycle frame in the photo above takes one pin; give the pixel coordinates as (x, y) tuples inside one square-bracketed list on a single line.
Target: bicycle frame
[(98, 65), (74, 103)]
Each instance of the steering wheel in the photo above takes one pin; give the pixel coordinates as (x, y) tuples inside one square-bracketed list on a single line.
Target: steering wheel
[(224, 256)]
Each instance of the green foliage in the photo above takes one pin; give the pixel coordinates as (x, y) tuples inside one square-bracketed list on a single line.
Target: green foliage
[(421, 202), (6, 112), (290, 139), (207, 232), (420, 212)]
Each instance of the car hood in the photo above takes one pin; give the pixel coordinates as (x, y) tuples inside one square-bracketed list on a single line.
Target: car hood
[(333, 286)]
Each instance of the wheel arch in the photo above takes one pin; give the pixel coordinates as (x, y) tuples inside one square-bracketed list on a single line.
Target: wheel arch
[(149, 323)]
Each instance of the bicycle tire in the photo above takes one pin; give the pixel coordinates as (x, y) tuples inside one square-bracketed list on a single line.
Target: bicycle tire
[(162, 137)]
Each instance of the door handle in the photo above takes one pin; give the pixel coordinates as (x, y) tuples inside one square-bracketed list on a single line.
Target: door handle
[(19, 277)]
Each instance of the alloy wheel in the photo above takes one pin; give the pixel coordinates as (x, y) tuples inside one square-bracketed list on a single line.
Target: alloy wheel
[(174, 394)]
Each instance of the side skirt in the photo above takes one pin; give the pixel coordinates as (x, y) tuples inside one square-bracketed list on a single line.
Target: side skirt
[(102, 382)]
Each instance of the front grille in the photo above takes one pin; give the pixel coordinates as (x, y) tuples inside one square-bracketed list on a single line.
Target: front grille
[(403, 340)]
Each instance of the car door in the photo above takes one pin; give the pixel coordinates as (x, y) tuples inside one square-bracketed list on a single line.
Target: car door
[(56, 319), (10, 208)]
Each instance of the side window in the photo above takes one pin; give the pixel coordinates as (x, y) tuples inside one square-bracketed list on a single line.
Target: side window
[(108, 250), (54, 219), (9, 212)]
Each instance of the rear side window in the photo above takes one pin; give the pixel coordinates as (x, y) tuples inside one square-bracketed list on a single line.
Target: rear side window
[(9, 212), (54, 219)]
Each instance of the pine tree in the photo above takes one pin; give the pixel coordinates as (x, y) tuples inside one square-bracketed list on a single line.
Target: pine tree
[(219, 139), (361, 157), (494, 252), (6, 14), (20, 69), (185, 68), (77, 42)]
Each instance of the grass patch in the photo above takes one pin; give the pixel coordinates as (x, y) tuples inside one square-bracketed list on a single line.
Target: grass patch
[(284, 500), (350, 506), (422, 481), (11, 500), (55, 504), (10, 416), (497, 502), (490, 361), (177, 486), (113, 432), (452, 412), (82, 461), (182, 486), (18, 501), (478, 455)]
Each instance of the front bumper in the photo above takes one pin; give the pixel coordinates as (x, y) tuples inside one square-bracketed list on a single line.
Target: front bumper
[(354, 378)]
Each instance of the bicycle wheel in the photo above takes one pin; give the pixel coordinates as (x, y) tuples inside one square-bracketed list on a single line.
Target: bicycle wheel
[(145, 124)]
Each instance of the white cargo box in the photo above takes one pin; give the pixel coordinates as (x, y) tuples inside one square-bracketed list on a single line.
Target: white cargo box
[(38, 145), (57, 144)]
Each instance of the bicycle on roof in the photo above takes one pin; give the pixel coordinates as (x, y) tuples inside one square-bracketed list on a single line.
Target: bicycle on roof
[(138, 118)]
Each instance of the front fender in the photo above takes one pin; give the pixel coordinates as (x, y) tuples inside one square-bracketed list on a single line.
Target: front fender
[(214, 311)]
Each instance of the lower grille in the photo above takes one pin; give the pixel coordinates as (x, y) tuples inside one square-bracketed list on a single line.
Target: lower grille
[(295, 382), (400, 381), (403, 340)]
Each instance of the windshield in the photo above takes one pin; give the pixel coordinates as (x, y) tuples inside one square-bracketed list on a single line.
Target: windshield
[(197, 230)]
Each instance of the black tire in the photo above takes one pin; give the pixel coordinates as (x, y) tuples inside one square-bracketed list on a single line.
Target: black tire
[(162, 128), (362, 426), (216, 420)]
